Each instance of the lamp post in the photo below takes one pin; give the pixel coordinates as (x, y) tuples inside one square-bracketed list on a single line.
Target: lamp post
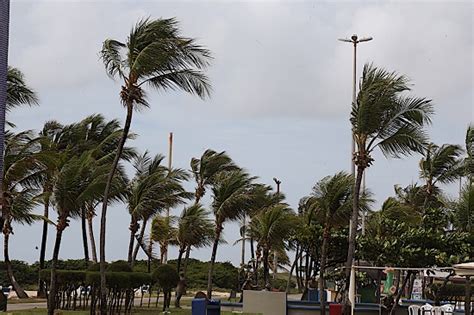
[(354, 40), (4, 30), (275, 256)]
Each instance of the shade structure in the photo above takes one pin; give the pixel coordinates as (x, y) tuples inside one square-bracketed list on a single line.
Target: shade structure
[(465, 269)]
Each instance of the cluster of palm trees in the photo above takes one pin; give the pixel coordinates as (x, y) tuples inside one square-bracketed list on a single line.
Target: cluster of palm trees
[(79, 168)]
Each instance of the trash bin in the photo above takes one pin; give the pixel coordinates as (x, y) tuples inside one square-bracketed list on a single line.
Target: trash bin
[(214, 307), (198, 307), (335, 309)]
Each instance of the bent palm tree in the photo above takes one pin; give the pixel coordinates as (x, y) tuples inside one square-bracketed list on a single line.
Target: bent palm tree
[(21, 171), (383, 117), (271, 228), (231, 196), (18, 92), (156, 55)]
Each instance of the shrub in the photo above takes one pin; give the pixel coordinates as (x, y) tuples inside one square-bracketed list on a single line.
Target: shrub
[(119, 266), (166, 276)]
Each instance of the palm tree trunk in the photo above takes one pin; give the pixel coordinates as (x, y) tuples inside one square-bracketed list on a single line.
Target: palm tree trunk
[(266, 268), (53, 286), (18, 289), (90, 217), (352, 237), (140, 237), (133, 230), (84, 235), (213, 260), (44, 237), (322, 282), (180, 257), (103, 216), (293, 266), (186, 260)]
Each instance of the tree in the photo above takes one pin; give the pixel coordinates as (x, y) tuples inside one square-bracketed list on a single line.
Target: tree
[(153, 189), (167, 279), (18, 92), (163, 232), (383, 117), (230, 197), (331, 199), (21, 169), (156, 55), (271, 229), (440, 165)]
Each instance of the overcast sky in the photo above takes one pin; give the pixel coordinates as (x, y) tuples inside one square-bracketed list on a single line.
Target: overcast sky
[(281, 81)]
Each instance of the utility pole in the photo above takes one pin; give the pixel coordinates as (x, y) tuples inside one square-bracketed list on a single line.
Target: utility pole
[(355, 40), (275, 256)]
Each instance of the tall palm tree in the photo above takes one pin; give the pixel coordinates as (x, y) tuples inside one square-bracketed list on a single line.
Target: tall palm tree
[(18, 91), (21, 170), (231, 196), (383, 117), (156, 55), (271, 228)]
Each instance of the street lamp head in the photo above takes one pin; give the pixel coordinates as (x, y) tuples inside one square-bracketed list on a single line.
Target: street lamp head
[(344, 40), (354, 38)]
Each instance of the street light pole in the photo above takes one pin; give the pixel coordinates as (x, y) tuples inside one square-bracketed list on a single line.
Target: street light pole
[(355, 40)]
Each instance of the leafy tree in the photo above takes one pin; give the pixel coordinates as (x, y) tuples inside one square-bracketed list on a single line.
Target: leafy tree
[(156, 55), (167, 279), (18, 92), (383, 117)]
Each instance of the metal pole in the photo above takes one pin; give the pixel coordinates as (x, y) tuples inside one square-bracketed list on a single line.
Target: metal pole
[(275, 256), (354, 83), (170, 161), (4, 32)]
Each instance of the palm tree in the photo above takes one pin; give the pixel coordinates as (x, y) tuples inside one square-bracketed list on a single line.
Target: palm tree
[(231, 196), (154, 189), (383, 117), (440, 165), (163, 231), (271, 228), (21, 169), (156, 55), (18, 92), (194, 229)]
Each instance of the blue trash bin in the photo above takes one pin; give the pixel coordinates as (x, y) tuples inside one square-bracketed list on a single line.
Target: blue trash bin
[(198, 307), (214, 307)]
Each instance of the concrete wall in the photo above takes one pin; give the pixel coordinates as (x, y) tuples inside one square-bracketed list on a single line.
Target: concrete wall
[(264, 302)]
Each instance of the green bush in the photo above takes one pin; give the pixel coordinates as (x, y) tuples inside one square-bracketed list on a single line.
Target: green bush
[(24, 273), (166, 276), (75, 277), (119, 266), (450, 292)]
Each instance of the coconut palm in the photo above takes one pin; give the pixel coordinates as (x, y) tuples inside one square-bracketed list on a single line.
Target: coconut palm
[(155, 55), (163, 232), (21, 171), (194, 229), (383, 117), (440, 165), (18, 92), (231, 196), (271, 228), (153, 189)]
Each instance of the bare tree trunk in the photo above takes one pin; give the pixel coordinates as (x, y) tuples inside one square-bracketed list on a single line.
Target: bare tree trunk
[(18, 289), (85, 243), (213, 260), (180, 258), (293, 266), (266, 268), (103, 216), (352, 237), (140, 237), (133, 230), (44, 237), (90, 217), (186, 260), (53, 286)]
